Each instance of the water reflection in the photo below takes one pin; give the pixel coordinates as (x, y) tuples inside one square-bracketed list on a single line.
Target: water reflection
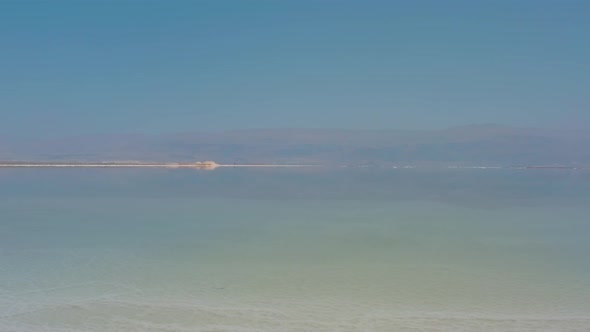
[(468, 188)]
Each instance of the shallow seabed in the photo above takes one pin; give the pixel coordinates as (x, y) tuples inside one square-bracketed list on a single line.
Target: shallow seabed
[(294, 250)]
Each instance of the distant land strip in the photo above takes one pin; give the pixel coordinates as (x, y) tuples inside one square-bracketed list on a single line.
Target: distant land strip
[(210, 165), (199, 165)]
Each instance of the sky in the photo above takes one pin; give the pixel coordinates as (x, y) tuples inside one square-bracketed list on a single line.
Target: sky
[(131, 66)]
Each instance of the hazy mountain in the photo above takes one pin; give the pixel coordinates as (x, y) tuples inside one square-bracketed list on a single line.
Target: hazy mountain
[(468, 145)]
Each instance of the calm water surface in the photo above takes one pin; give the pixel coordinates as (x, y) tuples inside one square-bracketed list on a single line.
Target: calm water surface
[(294, 250)]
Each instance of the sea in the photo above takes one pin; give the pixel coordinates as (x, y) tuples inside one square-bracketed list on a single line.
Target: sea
[(294, 249)]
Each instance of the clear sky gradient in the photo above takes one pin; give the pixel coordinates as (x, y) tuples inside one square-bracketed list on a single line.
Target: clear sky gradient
[(74, 67)]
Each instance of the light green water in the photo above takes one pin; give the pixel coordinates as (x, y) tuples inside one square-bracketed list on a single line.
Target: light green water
[(291, 250)]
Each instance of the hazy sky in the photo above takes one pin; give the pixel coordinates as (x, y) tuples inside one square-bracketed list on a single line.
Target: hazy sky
[(72, 67)]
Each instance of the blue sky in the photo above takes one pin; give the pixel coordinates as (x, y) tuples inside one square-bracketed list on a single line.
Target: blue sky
[(75, 67)]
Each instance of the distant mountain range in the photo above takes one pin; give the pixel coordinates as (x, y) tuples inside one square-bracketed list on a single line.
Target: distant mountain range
[(490, 145)]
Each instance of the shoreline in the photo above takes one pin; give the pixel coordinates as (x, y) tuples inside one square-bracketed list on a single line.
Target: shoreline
[(213, 165), (209, 166)]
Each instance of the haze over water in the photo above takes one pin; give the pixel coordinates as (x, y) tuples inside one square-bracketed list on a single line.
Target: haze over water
[(294, 250)]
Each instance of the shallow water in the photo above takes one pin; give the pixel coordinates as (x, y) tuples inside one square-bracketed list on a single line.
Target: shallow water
[(294, 250)]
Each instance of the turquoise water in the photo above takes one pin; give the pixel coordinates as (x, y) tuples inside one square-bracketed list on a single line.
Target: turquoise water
[(294, 250)]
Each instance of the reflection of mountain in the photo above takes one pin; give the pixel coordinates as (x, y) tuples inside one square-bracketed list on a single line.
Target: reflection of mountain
[(467, 187), (470, 188), (481, 144)]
